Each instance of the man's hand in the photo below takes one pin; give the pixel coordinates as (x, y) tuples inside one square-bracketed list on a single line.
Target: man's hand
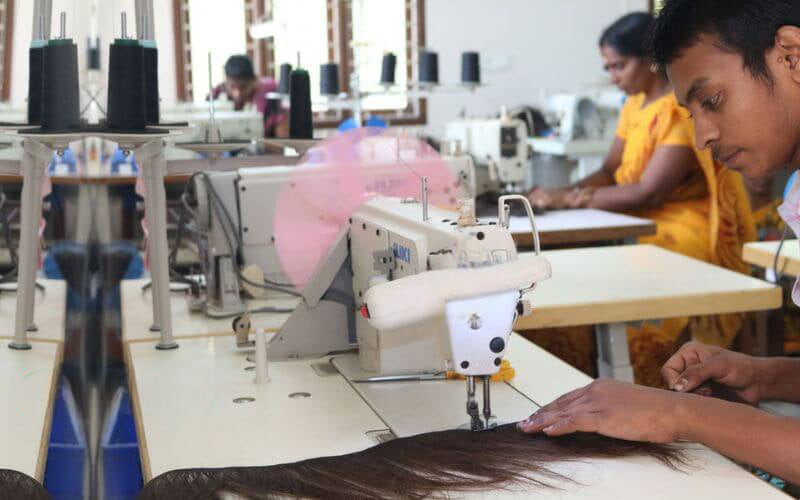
[(696, 363), (614, 409)]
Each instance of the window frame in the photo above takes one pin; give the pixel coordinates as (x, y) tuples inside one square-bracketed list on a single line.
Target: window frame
[(7, 40)]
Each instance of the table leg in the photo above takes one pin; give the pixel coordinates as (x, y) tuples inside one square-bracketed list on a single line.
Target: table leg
[(150, 211), (33, 171), (154, 170), (613, 356), (37, 215)]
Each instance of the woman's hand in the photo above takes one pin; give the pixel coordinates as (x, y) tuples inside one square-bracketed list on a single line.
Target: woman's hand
[(615, 409), (549, 199), (696, 363), (560, 199)]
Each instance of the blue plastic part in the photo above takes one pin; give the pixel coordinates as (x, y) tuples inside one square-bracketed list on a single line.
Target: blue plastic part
[(66, 456), (63, 164), (50, 267), (122, 467), (372, 121), (122, 164), (789, 184)]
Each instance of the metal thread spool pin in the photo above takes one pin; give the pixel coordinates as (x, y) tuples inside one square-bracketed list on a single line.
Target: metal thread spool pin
[(425, 199), (63, 32), (124, 33)]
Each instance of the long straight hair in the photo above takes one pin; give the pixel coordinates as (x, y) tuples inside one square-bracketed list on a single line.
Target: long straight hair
[(422, 466)]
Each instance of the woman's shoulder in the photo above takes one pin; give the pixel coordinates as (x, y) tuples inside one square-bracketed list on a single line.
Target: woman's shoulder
[(669, 104)]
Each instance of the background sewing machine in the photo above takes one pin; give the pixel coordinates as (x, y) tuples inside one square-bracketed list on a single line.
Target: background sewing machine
[(583, 126), (234, 126), (499, 149)]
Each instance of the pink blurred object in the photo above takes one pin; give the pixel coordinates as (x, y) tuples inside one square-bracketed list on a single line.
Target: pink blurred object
[(334, 179)]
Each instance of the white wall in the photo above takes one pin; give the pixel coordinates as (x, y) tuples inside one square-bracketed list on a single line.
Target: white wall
[(536, 45)]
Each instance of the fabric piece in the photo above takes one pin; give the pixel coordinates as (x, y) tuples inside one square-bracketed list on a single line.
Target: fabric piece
[(790, 213)]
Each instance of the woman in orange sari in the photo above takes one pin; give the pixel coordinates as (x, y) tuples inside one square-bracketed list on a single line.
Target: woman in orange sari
[(655, 171)]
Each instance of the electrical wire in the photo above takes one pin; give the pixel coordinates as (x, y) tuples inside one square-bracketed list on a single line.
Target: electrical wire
[(775, 271), (260, 310), (225, 217)]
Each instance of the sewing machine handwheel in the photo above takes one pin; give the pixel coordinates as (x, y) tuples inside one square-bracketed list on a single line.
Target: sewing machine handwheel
[(241, 324)]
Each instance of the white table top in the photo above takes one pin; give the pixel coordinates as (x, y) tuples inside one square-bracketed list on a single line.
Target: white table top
[(186, 418), (49, 313), (636, 283), (137, 315), (560, 227), (572, 149), (28, 380), (762, 254)]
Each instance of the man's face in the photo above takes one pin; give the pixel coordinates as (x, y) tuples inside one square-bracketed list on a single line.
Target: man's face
[(240, 90), (750, 125)]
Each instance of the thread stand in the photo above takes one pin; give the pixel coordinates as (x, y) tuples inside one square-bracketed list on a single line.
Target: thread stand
[(38, 151), (149, 150)]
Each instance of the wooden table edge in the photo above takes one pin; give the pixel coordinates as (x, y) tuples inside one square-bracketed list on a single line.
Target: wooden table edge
[(592, 313), (567, 236)]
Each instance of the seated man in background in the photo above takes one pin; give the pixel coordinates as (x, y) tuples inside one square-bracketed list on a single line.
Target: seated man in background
[(245, 89)]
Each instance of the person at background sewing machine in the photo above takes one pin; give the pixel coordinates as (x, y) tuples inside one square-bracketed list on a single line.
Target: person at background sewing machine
[(735, 65), (655, 171), (245, 89)]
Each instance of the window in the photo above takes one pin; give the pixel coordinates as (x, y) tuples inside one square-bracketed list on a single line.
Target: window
[(302, 32), (220, 32), (352, 33), (377, 29), (6, 49)]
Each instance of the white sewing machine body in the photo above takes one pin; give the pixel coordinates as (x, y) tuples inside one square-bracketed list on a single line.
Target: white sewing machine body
[(390, 241), (499, 148)]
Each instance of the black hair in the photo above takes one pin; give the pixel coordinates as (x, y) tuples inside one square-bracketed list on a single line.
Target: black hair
[(745, 27), (240, 68), (628, 34)]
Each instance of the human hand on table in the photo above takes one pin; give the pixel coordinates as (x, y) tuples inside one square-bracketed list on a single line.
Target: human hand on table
[(548, 198), (695, 363), (615, 409), (559, 199)]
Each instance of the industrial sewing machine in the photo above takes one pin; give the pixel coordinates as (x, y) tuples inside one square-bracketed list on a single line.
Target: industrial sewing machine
[(499, 148), (587, 115), (418, 290), (240, 126)]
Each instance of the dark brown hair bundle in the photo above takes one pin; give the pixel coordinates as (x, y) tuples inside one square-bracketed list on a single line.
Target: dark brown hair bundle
[(422, 466)]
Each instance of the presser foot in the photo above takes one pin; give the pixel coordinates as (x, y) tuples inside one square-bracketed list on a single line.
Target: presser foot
[(479, 421)]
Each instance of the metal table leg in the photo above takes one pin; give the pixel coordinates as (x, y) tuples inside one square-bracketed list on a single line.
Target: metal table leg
[(34, 164), (154, 169), (613, 355)]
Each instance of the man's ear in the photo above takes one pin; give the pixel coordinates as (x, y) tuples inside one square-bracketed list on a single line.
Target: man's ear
[(786, 52)]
